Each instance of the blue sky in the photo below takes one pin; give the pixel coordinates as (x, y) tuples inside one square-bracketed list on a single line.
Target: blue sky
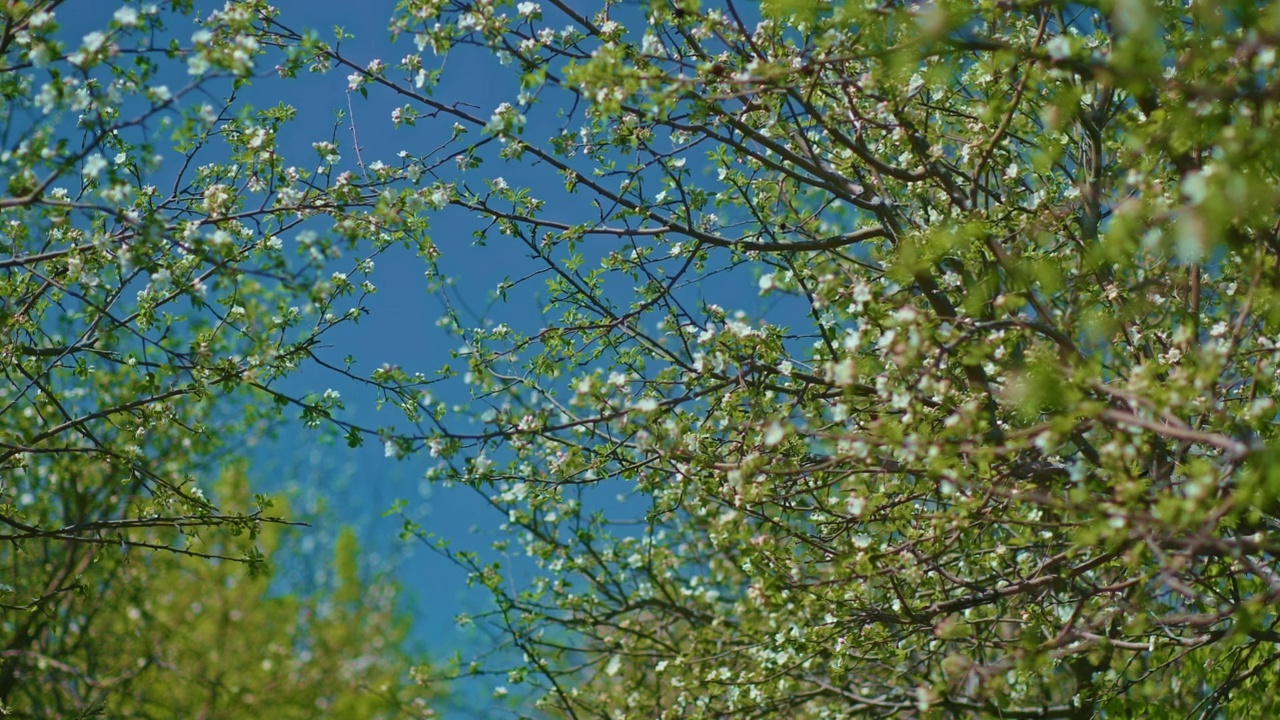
[(400, 328)]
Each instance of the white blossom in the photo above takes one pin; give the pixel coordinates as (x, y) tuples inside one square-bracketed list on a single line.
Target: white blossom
[(93, 165), (126, 16), (1059, 48)]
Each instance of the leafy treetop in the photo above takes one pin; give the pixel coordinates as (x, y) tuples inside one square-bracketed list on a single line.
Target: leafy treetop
[(997, 436)]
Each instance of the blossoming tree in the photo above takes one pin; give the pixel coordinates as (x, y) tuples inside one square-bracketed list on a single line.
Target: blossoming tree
[(933, 344), (163, 267), (930, 346)]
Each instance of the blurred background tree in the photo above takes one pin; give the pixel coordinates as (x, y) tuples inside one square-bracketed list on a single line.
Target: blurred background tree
[(171, 634)]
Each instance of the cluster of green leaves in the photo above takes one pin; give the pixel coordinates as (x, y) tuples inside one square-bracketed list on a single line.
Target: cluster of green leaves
[(1002, 445), (162, 267)]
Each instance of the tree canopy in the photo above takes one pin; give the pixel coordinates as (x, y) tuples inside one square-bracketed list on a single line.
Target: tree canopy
[(930, 347), (937, 341)]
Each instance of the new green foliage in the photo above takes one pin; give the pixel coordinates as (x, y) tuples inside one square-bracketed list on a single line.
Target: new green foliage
[(996, 444)]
